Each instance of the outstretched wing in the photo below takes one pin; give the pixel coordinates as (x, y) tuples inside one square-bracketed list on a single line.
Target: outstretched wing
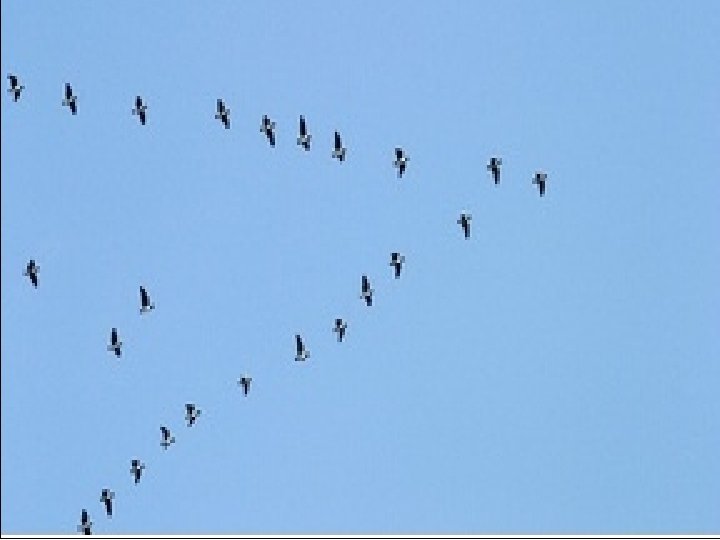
[(144, 296), (338, 141), (365, 284), (303, 127), (399, 153), (113, 337), (142, 117), (165, 432), (299, 343), (13, 81), (138, 102), (271, 137), (68, 91), (220, 106)]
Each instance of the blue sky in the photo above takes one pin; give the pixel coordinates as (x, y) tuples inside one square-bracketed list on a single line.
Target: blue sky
[(556, 373)]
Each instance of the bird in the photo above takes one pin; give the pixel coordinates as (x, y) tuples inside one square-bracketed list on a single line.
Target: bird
[(15, 88), (464, 221), (107, 497), (115, 344), (191, 413), (397, 261), (31, 271), (302, 353), (268, 127), (167, 438), (85, 526), (70, 99), (494, 168), (401, 160), (245, 381), (539, 180), (367, 291), (136, 469), (223, 113), (145, 304), (339, 329), (340, 150), (304, 137), (140, 109)]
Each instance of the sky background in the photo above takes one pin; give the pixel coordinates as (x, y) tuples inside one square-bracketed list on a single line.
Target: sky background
[(559, 372)]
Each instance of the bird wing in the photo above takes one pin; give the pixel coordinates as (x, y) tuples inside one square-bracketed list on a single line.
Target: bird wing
[(68, 90), (365, 284), (220, 106), (13, 80), (399, 153), (144, 296), (338, 141), (271, 137), (138, 102), (113, 336), (303, 127), (142, 117), (299, 343)]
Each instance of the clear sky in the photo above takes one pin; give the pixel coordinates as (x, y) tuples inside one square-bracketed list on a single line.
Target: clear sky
[(559, 372)]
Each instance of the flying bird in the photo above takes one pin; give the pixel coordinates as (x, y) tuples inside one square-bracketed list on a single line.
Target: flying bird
[(223, 113), (70, 99), (340, 150), (539, 180), (401, 160), (268, 127), (302, 353), (367, 292), (191, 413), (464, 221), (107, 497), (340, 328), (115, 344), (304, 138), (85, 526), (31, 271), (145, 304), (494, 168), (15, 88), (140, 109), (397, 261), (167, 438), (136, 469), (245, 381)]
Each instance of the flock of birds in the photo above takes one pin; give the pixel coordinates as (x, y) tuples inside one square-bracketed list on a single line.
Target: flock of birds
[(397, 260)]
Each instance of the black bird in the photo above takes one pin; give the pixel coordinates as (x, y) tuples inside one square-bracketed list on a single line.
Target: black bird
[(115, 344), (401, 160), (245, 381), (539, 180), (302, 353), (367, 292), (145, 304), (464, 221), (31, 271), (223, 113), (340, 328), (107, 497), (70, 99), (268, 127), (396, 261), (140, 109), (494, 168), (136, 469), (85, 526), (191, 413), (339, 152), (167, 438), (15, 88), (304, 138)]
